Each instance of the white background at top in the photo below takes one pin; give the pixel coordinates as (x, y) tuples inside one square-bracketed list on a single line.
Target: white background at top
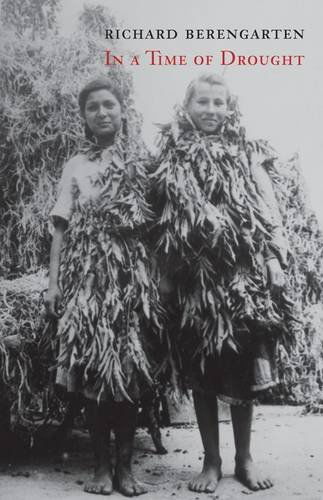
[(283, 104)]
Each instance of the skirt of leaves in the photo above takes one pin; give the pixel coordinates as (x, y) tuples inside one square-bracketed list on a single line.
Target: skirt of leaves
[(109, 300)]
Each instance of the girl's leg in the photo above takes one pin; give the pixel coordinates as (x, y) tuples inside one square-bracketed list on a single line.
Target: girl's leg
[(245, 469), (98, 421), (206, 408), (125, 417)]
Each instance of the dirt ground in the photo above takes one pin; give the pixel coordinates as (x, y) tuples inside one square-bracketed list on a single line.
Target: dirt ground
[(286, 444)]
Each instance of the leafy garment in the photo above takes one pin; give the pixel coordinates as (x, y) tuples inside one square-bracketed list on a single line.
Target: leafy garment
[(214, 234), (106, 281)]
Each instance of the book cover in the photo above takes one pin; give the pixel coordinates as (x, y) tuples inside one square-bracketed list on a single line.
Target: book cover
[(269, 54)]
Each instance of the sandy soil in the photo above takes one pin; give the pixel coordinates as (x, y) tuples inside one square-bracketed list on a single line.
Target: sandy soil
[(287, 445)]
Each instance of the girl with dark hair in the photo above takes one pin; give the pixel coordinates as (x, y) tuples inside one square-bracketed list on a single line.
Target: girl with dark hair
[(103, 282), (219, 232)]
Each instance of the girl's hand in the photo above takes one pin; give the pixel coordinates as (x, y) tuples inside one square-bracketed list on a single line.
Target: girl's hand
[(14, 342), (275, 274), (52, 301)]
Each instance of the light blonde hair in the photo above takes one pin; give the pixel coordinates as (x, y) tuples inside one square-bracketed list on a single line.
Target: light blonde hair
[(212, 79)]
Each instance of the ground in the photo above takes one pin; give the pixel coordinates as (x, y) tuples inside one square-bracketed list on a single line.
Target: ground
[(287, 445)]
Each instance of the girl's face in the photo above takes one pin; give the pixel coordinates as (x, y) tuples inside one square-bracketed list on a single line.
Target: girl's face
[(208, 106), (102, 113)]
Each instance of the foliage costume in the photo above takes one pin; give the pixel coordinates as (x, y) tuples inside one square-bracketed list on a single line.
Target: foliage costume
[(214, 233), (105, 275)]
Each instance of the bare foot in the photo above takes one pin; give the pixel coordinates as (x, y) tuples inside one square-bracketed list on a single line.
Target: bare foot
[(250, 476), (207, 481), (161, 450), (101, 484), (126, 484)]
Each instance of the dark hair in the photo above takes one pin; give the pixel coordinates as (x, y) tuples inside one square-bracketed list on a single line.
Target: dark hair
[(98, 84), (212, 79)]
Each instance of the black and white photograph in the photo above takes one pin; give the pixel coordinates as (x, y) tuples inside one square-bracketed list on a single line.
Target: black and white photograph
[(161, 249)]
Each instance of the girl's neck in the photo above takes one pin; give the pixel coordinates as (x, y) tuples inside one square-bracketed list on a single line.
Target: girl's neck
[(105, 142)]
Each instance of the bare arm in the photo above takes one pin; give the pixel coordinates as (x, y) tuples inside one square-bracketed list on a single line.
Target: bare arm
[(54, 295), (276, 257), (266, 191)]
